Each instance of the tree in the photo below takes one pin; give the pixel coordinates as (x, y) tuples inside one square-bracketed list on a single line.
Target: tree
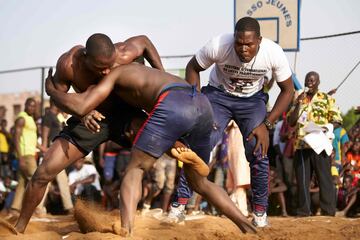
[(350, 118)]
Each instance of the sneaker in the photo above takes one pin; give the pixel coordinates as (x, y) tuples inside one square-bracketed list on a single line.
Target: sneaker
[(176, 213), (145, 209), (260, 219), (197, 213)]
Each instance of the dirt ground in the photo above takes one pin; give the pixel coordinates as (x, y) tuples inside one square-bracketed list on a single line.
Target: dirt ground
[(206, 228)]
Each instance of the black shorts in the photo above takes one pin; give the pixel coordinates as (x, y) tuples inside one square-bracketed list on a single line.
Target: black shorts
[(111, 128)]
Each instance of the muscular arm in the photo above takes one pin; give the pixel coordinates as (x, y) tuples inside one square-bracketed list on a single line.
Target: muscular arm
[(283, 100), (62, 76), (80, 104), (192, 74), (145, 47)]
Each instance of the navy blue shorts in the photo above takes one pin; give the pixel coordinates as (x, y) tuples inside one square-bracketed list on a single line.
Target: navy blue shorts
[(180, 113)]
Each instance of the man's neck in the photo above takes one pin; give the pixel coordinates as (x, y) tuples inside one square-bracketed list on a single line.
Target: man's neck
[(311, 94)]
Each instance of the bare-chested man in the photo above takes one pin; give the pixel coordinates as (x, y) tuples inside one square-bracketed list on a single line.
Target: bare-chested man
[(176, 111), (81, 67)]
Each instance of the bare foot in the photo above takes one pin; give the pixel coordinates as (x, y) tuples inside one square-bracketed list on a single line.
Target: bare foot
[(8, 226), (187, 156), (121, 231), (117, 229), (284, 214)]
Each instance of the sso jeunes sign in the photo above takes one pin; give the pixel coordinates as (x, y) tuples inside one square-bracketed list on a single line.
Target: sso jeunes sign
[(279, 19)]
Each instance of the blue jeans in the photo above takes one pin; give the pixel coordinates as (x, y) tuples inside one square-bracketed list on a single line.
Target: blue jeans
[(248, 113)]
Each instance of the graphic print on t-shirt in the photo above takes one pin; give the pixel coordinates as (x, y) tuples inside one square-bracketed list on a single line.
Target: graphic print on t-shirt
[(242, 79)]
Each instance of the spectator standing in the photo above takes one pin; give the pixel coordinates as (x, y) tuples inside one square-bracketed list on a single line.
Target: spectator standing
[(164, 180), (7, 193), (4, 150), (340, 144), (239, 170), (320, 108), (25, 142)]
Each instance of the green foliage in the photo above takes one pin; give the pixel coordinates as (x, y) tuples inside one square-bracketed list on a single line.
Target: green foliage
[(350, 118)]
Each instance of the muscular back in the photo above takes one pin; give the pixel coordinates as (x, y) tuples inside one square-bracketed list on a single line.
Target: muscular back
[(136, 84), (139, 85)]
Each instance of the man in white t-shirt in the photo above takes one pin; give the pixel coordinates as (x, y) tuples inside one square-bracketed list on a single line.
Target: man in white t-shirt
[(84, 181), (235, 90)]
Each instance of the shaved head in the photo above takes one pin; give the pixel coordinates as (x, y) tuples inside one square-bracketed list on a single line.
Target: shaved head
[(99, 45)]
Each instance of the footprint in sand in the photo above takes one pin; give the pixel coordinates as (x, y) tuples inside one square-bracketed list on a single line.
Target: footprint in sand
[(189, 157)]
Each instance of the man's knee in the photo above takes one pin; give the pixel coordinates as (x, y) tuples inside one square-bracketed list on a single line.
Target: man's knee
[(142, 160), (42, 177)]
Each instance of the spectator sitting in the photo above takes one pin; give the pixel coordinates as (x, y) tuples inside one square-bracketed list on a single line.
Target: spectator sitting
[(315, 196), (84, 181), (7, 193), (354, 153), (278, 187), (353, 158), (348, 198)]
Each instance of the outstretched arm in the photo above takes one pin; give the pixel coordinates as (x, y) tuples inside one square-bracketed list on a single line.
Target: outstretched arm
[(144, 47), (80, 104)]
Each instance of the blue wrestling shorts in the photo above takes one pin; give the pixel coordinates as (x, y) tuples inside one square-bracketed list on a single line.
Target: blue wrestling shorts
[(180, 113)]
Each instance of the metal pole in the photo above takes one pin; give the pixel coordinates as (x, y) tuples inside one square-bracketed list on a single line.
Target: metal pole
[(348, 75), (42, 91), (295, 58)]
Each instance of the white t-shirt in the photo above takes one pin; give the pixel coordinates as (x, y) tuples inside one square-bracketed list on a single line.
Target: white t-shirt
[(3, 188), (239, 78), (78, 175)]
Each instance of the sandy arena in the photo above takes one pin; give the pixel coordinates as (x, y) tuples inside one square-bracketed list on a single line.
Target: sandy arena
[(94, 224)]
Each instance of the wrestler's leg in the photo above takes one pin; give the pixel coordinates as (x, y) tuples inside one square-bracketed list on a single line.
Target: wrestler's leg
[(130, 190), (60, 155), (189, 157), (217, 197)]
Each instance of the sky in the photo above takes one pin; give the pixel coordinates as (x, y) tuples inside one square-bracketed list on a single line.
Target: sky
[(36, 32)]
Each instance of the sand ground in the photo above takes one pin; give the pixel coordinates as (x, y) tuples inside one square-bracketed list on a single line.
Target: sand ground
[(205, 228)]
